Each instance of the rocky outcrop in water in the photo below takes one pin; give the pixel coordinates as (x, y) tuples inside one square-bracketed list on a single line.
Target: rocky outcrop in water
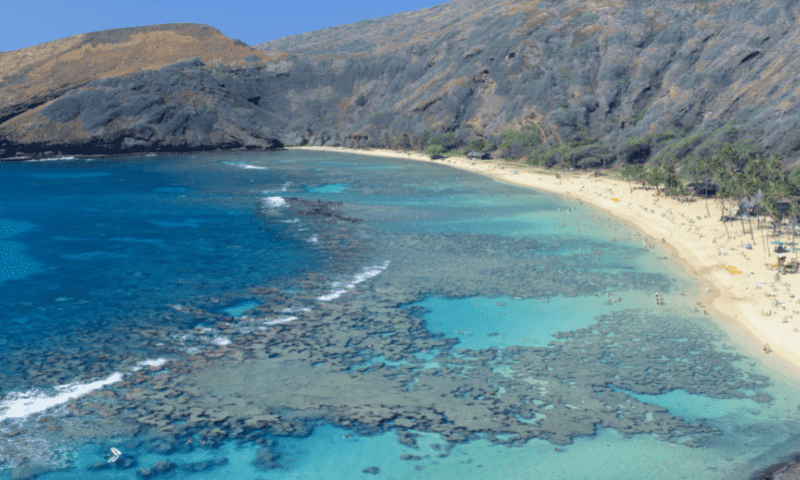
[(781, 471)]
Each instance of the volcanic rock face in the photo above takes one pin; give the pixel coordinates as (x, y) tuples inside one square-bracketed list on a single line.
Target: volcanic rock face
[(631, 79), (602, 81), (106, 92), (180, 107)]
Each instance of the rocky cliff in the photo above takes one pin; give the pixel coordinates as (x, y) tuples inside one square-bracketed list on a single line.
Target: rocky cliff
[(126, 90), (599, 82), (626, 81)]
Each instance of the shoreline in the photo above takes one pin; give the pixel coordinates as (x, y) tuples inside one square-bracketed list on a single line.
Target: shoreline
[(738, 299)]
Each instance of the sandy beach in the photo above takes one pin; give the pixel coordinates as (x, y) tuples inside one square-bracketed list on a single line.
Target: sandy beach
[(739, 286)]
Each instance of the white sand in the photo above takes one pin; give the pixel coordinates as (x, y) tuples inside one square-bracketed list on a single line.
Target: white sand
[(736, 298)]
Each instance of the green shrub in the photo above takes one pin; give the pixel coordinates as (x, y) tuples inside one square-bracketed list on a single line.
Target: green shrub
[(481, 145), (520, 142), (434, 149), (663, 137), (638, 141), (635, 119), (447, 141), (458, 152), (528, 136)]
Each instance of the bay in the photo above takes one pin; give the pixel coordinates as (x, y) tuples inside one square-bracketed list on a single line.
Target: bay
[(305, 314)]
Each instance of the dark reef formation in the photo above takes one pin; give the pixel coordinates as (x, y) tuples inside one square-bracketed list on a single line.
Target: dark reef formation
[(273, 378)]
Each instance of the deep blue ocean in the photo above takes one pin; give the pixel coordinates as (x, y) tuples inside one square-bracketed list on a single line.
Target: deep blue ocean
[(316, 315)]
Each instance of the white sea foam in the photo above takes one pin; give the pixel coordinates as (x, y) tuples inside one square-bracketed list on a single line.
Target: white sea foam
[(313, 239), (254, 167), (274, 202), (332, 296), (290, 310), (294, 220), (280, 320), (340, 288), (53, 159), (22, 404), (221, 341), (149, 363)]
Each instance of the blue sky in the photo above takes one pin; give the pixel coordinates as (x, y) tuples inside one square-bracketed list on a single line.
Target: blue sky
[(30, 22)]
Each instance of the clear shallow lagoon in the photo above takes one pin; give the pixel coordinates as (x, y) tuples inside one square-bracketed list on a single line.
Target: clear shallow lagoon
[(321, 315)]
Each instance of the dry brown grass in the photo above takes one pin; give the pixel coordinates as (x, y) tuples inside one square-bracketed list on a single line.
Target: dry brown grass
[(71, 62)]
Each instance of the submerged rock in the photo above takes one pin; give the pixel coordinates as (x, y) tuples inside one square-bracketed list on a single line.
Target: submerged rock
[(157, 469), (98, 466), (266, 458), (126, 462), (205, 465)]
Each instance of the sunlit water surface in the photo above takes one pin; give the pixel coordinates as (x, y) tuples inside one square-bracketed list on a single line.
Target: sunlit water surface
[(223, 315)]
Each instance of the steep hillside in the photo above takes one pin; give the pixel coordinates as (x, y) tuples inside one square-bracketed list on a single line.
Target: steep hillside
[(69, 70), (601, 80), (587, 83)]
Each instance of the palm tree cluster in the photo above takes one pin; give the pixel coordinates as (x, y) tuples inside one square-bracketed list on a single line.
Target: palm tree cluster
[(730, 174)]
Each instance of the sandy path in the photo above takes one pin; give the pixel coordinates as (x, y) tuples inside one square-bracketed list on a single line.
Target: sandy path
[(702, 247)]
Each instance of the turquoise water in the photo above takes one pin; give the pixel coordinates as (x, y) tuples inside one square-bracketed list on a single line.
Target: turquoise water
[(321, 315)]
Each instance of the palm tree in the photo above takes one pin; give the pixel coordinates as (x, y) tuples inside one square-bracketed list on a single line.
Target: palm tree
[(757, 178), (706, 168), (671, 181), (640, 173), (748, 186), (780, 190), (691, 170), (771, 206), (723, 178), (777, 190), (794, 210), (737, 188), (627, 171), (655, 178)]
